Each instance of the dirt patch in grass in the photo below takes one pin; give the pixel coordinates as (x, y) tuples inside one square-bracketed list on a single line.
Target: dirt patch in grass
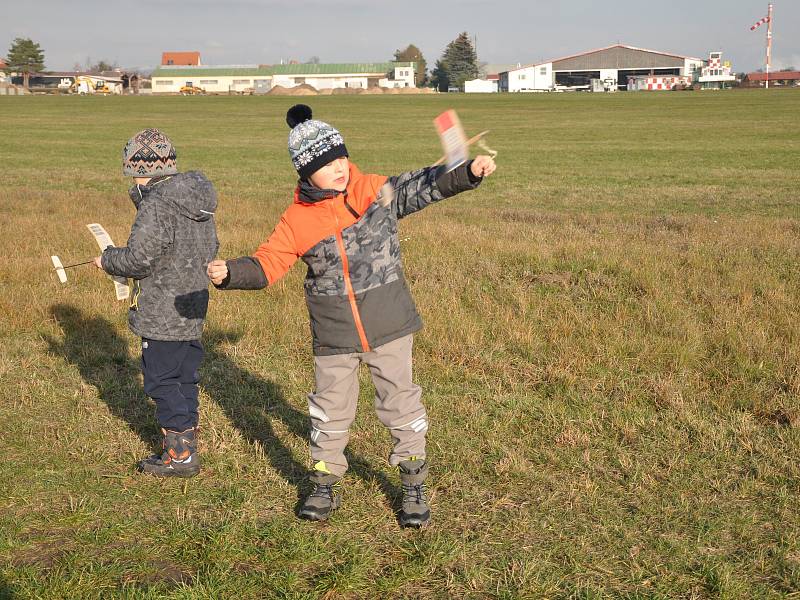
[(46, 549), (558, 278), (43, 558), (161, 573), (780, 417)]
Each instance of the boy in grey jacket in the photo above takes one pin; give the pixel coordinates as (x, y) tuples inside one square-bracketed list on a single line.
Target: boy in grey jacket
[(172, 240)]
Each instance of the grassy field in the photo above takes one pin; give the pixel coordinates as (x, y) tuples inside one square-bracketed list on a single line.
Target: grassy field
[(611, 359)]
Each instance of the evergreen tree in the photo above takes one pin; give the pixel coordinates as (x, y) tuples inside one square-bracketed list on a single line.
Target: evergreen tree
[(459, 63), (439, 78), (414, 54), (26, 57)]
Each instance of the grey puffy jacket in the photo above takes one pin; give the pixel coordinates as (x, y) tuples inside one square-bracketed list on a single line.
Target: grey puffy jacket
[(172, 240)]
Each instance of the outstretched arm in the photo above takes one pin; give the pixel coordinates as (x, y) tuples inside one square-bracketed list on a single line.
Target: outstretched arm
[(269, 263), (415, 190)]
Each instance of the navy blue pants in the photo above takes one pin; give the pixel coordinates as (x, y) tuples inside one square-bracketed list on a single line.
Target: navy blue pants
[(171, 376)]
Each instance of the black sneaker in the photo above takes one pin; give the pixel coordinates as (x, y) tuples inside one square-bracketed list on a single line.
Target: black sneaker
[(415, 512), (179, 459), (324, 499)]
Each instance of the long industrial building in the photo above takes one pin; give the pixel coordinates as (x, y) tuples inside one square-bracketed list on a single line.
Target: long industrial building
[(614, 63), (261, 78)]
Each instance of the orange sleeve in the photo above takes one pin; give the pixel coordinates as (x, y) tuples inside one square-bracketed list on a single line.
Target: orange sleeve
[(278, 253)]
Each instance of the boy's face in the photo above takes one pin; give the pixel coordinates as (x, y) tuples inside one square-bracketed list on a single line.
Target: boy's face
[(333, 176)]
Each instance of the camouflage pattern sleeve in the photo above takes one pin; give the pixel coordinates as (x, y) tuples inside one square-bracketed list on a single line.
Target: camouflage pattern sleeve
[(415, 190), (151, 235)]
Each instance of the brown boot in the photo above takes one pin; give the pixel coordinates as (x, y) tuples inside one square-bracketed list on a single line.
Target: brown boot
[(179, 459)]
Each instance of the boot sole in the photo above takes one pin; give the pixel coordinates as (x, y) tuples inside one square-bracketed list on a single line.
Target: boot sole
[(414, 522), (307, 516), (184, 474)]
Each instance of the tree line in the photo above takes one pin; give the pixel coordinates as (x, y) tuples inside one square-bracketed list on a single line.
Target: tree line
[(458, 63)]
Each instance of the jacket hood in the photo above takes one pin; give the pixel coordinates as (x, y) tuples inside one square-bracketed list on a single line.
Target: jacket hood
[(192, 194)]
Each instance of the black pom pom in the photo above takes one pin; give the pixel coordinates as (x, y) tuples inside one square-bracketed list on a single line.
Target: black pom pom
[(299, 113)]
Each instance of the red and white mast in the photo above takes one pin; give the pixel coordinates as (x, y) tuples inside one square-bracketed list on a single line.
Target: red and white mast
[(769, 41)]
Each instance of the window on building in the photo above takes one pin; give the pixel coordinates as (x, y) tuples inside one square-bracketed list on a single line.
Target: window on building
[(163, 82), (522, 75), (542, 70), (170, 62), (209, 82), (241, 82)]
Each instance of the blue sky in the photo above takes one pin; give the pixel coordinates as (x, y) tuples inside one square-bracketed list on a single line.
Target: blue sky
[(134, 33)]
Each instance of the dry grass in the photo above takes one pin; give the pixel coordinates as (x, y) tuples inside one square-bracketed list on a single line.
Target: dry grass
[(610, 360)]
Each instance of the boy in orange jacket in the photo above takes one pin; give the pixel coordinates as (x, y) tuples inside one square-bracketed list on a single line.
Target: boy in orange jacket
[(341, 225)]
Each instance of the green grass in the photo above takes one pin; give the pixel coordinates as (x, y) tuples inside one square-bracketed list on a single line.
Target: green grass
[(610, 359)]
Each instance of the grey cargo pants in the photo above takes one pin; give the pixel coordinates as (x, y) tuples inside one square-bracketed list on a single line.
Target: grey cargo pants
[(398, 404)]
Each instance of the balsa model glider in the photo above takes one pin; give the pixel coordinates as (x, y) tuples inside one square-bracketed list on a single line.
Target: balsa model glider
[(103, 241), (455, 142)]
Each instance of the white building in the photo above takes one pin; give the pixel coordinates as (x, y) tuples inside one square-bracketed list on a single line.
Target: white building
[(261, 78), (480, 86), (716, 74), (615, 63)]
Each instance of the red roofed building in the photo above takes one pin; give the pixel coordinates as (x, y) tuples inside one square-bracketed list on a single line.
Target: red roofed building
[(776, 78), (180, 58)]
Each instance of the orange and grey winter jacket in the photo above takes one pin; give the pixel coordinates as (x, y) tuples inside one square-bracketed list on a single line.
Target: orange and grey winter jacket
[(355, 289)]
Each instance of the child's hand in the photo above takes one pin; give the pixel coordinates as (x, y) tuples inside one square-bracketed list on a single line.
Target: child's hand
[(482, 166), (217, 271), (98, 262)]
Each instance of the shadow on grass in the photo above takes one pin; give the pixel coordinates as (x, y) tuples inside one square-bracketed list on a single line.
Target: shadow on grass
[(249, 401), (6, 593), (252, 403), (101, 356)]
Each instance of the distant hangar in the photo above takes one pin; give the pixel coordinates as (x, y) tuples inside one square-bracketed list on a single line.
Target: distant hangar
[(614, 63)]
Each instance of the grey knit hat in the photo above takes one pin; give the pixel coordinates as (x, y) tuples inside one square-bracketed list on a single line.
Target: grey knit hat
[(312, 144), (149, 153)]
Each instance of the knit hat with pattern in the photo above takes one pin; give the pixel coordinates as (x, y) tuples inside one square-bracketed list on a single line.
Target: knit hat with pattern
[(149, 153), (312, 144)]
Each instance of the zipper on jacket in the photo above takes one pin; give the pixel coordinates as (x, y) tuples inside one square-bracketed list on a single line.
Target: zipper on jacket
[(350, 208), (348, 285)]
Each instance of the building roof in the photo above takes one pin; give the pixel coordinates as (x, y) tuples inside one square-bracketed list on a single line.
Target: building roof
[(775, 76), (495, 68), (269, 70), (585, 60), (180, 58), (59, 74), (335, 68), (221, 71)]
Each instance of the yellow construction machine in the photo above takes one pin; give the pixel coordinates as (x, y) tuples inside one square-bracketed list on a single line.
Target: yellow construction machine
[(192, 90), (86, 85)]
